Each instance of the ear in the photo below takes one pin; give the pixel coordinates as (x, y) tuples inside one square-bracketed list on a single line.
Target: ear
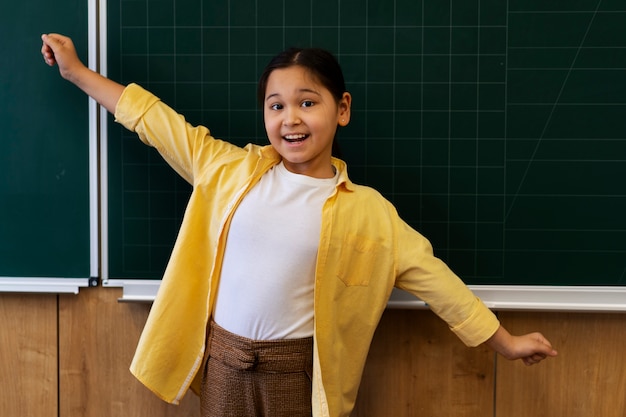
[(343, 114)]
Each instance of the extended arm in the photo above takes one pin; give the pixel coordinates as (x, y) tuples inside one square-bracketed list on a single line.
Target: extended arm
[(58, 49), (530, 348)]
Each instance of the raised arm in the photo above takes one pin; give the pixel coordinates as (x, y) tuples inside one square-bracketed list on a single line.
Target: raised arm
[(59, 49), (530, 348)]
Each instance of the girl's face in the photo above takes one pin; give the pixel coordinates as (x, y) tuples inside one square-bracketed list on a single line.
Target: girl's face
[(301, 118)]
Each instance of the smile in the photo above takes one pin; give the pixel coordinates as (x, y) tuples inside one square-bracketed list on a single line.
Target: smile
[(295, 137)]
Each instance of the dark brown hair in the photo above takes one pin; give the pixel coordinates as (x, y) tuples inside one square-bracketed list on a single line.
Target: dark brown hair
[(319, 62)]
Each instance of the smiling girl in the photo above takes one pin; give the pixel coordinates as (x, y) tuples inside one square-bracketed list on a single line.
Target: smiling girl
[(301, 114), (283, 266)]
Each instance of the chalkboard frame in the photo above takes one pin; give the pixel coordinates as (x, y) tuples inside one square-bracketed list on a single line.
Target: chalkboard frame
[(498, 297), (61, 284)]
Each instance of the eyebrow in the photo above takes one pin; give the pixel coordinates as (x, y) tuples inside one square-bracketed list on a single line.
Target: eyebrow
[(302, 90)]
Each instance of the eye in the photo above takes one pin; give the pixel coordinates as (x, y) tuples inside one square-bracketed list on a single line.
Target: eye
[(276, 106), (307, 103)]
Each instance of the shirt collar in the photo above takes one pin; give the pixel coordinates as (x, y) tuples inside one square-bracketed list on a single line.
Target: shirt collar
[(343, 181)]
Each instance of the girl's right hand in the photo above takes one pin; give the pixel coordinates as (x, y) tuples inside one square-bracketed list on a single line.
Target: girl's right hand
[(60, 50)]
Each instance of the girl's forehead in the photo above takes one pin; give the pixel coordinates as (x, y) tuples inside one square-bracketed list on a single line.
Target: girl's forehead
[(293, 76)]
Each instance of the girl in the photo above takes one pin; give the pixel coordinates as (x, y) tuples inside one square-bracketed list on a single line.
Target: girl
[(283, 266)]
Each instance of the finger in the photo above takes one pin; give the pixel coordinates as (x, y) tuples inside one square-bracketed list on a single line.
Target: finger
[(533, 359), (545, 347), (53, 41), (46, 51), (528, 361), (50, 41), (48, 57), (538, 357)]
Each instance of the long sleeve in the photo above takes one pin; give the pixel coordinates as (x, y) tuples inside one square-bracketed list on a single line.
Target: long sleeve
[(430, 279), (186, 148)]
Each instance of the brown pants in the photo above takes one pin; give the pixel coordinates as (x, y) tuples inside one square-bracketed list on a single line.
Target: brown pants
[(251, 378)]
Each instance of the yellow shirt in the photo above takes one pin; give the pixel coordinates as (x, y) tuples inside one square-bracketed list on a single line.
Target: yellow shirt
[(365, 250)]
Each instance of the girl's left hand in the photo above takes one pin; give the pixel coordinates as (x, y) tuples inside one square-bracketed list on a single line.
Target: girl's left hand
[(531, 348)]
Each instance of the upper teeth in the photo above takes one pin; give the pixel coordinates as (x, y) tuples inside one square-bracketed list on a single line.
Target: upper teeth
[(292, 137)]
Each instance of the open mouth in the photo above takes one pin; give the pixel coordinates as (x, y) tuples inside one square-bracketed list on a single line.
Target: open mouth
[(295, 138)]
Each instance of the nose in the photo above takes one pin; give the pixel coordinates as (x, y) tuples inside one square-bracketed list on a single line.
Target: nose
[(292, 117)]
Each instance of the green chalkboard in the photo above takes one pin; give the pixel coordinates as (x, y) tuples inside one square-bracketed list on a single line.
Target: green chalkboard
[(44, 148), (495, 127)]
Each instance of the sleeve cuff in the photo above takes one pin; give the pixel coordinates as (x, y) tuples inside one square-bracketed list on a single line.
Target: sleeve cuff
[(132, 105), (478, 327)]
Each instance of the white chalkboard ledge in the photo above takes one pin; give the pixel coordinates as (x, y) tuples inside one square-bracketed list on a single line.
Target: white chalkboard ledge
[(537, 298), (135, 290), (44, 285), (496, 297)]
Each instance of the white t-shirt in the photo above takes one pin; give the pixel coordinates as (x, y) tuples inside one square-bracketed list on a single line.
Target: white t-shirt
[(268, 272)]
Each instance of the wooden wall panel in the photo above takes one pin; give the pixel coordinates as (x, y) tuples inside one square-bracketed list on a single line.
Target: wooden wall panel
[(98, 336), (418, 367), (28, 355), (588, 378)]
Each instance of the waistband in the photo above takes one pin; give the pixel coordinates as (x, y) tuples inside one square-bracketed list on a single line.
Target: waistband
[(271, 356)]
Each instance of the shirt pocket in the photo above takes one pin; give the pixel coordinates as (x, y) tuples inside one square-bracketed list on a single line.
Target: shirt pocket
[(359, 260)]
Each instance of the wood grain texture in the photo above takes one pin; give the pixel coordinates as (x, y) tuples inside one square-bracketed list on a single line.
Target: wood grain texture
[(28, 355), (588, 378), (418, 367), (98, 336)]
